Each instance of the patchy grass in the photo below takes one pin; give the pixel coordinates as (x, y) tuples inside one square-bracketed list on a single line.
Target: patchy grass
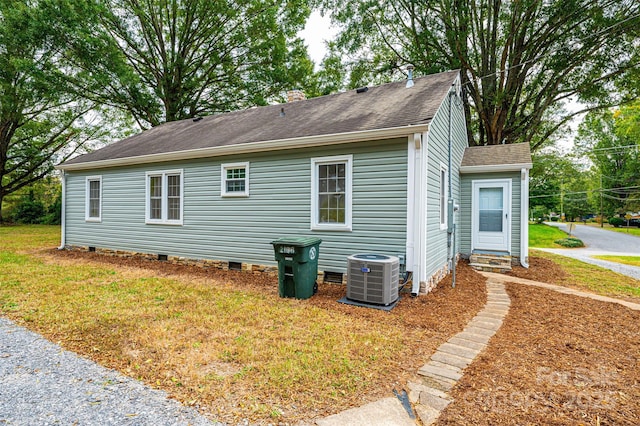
[(626, 260), (545, 236), (27, 238), (581, 275), (223, 341)]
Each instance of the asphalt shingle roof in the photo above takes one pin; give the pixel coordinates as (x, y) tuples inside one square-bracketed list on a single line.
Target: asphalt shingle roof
[(496, 155), (380, 107)]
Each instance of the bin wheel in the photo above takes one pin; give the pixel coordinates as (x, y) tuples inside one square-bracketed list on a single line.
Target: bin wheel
[(315, 287)]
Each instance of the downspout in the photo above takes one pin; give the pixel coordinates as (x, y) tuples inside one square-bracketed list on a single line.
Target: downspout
[(451, 226), (63, 211), (417, 231), (524, 217)]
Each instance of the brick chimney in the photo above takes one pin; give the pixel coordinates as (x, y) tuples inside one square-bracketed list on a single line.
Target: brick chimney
[(295, 95)]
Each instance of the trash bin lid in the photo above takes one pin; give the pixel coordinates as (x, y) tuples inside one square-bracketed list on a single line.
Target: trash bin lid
[(297, 241)]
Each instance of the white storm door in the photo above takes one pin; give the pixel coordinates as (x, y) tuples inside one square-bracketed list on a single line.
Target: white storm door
[(491, 220)]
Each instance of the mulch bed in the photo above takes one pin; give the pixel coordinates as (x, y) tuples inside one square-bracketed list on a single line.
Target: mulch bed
[(540, 269), (556, 360), (427, 321)]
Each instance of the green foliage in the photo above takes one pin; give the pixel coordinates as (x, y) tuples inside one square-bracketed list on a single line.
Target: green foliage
[(519, 61), (616, 222), (29, 210), (611, 140), (570, 242), (169, 60), (560, 183), (40, 202), (42, 119)]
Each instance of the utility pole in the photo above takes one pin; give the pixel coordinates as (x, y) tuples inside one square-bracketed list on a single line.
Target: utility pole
[(562, 199), (601, 209)]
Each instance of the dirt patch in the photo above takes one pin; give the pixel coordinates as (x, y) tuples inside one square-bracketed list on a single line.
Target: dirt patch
[(424, 323), (556, 360)]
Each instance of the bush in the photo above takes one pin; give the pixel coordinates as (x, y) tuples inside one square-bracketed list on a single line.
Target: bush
[(28, 210), (554, 218), (617, 222), (570, 242)]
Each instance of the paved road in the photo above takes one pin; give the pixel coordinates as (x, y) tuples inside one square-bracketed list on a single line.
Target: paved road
[(602, 242)]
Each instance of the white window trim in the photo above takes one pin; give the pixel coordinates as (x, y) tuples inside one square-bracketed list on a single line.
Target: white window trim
[(223, 179), (443, 211), (165, 204), (87, 209), (315, 162)]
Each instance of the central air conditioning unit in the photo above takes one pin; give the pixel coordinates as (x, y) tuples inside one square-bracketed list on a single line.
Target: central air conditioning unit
[(373, 278)]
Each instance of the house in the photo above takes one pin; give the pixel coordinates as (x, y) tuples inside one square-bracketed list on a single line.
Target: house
[(383, 169)]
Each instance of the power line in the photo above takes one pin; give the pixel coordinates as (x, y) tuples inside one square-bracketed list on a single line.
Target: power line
[(564, 194)]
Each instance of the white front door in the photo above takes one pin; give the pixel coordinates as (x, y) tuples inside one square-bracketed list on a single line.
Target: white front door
[(491, 216)]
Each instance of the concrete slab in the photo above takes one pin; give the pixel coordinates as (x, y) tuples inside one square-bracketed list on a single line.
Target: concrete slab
[(388, 411), (450, 348)]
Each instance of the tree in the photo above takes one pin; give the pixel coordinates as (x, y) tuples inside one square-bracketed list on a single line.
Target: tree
[(520, 61), (559, 183), (611, 140), (42, 121), (166, 60)]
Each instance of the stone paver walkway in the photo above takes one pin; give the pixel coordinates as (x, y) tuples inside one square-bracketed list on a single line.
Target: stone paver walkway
[(560, 289), (429, 393)]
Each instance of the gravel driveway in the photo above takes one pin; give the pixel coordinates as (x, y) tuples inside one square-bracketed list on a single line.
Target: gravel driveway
[(42, 384), (601, 242)]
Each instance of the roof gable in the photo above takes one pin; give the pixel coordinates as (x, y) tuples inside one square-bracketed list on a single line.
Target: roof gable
[(382, 107)]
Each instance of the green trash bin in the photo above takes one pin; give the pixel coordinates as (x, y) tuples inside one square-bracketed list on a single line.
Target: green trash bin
[(297, 266)]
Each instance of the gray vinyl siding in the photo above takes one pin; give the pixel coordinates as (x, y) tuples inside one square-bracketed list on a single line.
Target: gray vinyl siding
[(241, 229), (466, 209), (437, 154)]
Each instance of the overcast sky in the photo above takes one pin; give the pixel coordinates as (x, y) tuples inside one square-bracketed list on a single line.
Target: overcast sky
[(317, 31)]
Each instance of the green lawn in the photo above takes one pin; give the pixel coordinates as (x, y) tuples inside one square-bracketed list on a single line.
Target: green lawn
[(592, 277), (626, 260), (543, 236)]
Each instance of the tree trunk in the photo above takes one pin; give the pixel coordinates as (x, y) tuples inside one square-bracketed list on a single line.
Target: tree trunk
[(1, 198)]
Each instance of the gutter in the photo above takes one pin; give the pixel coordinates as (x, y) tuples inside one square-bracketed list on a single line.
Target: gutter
[(495, 168), (63, 212), (250, 147), (524, 217)]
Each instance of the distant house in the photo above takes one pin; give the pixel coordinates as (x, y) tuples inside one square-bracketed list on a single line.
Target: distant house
[(376, 170)]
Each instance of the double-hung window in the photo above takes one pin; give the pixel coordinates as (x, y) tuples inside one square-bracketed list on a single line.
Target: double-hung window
[(93, 199), (164, 198), (331, 193), (444, 193), (235, 180)]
